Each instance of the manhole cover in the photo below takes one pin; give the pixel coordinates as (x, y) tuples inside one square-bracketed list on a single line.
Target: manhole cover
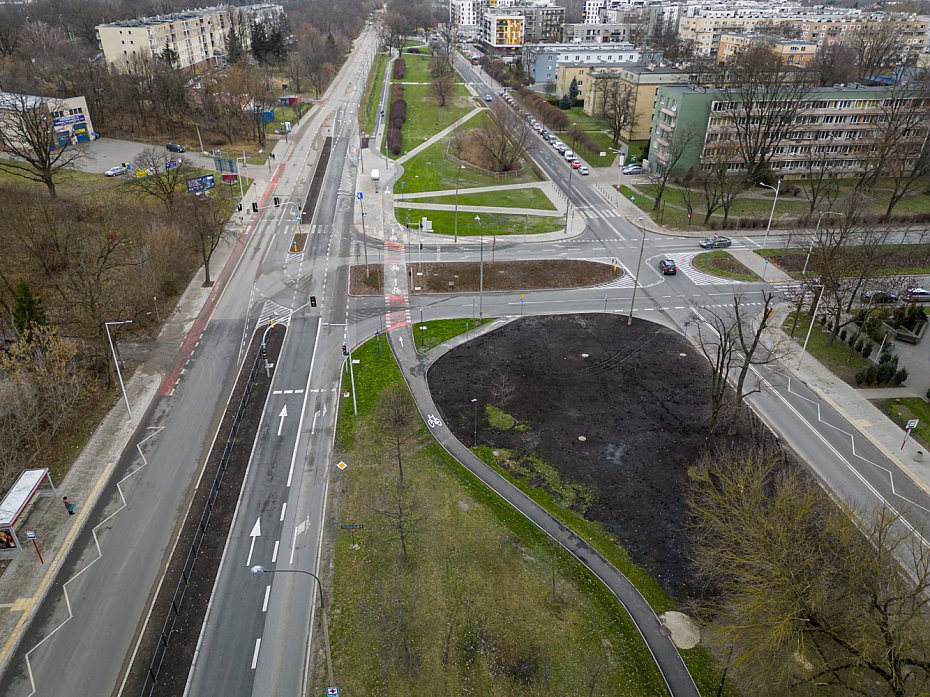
[(582, 438), (683, 355), (584, 355)]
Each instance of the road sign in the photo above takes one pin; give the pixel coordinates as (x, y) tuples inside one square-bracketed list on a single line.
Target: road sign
[(341, 465), (911, 425), (360, 197), (352, 527), (30, 534), (332, 692)]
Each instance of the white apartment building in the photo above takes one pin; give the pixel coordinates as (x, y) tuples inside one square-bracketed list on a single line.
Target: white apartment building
[(541, 61), (465, 15), (197, 37)]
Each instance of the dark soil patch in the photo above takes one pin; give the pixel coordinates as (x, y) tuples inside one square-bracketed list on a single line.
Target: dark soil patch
[(639, 398), (299, 242), (903, 257), (179, 653), (723, 264), (498, 275)]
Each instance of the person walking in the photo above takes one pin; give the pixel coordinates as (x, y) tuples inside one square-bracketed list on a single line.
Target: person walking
[(68, 505)]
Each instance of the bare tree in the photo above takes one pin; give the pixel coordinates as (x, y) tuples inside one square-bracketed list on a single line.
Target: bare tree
[(205, 219), (762, 99), (29, 136), (834, 64), (618, 109), (442, 88), (878, 47), (401, 512), (159, 175), (501, 387), (821, 183), (665, 163), (397, 415), (812, 594), (505, 138), (717, 184)]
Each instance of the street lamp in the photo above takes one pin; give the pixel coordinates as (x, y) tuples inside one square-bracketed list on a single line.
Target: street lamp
[(776, 189), (568, 203), (475, 402), (813, 241), (119, 374), (259, 570), (811, 327), (458, 174), (480, 273), (622, 154), (638, 263)]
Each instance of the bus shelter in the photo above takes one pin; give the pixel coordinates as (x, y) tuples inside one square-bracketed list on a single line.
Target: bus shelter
[(17, 502)]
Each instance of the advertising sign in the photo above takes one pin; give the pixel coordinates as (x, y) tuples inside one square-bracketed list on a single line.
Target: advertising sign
[(67, 120), (198, 184)]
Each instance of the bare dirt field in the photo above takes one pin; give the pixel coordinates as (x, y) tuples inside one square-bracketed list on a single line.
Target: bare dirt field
[(498, 275), (637, 395)]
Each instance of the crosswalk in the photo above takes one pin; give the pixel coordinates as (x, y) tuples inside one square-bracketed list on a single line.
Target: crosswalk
[(699, 278), (273, 311), (627, 280)]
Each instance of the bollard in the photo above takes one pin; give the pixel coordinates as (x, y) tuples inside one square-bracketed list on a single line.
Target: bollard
[(919, 456)]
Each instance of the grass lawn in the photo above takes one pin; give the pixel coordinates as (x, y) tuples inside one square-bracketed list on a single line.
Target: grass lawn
[(505, 198), (720, 263), (441, 330), (791, 261), (432, 170), (424, 116), (841, 361), (485, 604), (418, 69), (373, 93), (491, 223), (903, 410)]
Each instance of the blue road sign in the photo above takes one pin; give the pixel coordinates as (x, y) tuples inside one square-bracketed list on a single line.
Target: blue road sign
[(352, 527), (360, 197)]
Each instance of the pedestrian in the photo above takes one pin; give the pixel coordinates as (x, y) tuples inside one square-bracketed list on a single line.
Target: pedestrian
[(68, 505)]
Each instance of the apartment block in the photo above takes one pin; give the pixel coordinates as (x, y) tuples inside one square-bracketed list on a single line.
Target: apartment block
[(833, 129), (792, 52), (502, 29), (541, 61), (197, 37)]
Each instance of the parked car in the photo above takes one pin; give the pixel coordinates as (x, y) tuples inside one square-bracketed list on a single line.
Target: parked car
[(488, 98), (584, 170), (668, 267), (716, 242), (917, 295), (633, 169), (561, 147), (117, 171), (174, 147), (879, 296)]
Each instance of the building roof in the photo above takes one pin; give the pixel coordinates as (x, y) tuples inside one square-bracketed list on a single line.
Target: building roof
[(181, 16)]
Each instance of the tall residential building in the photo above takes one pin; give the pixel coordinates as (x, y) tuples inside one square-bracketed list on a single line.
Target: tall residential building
[(833, 130), (540, 61), (196, 37), (542, 22), (502, 29), (791, 51)]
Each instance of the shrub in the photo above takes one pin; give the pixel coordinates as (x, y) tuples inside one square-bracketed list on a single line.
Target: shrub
[(886, 357), (861, 375), (900, 377), (842, 335), (871, 374), (858, 346), (885, 373), (400, 69), (867, 350), (395, 141)]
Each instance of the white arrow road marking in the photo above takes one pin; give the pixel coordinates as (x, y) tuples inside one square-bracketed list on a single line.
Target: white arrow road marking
[(281, 416), (256, 532), (401, 341)]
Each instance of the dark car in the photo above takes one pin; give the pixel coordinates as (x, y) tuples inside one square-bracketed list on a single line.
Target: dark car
[(668, 267), (174, 147), (716, 242), (879, 296)]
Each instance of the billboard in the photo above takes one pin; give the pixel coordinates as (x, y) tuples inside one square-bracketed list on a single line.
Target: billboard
[(198, 184)]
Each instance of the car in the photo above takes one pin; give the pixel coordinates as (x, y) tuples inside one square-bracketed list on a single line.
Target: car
[(584, 170), (716, 242), (561, 147), (576, 164), (633, 169), (879, 296), (174, 147), (116, 171), (488, 98), (917, 295), (668, 267)]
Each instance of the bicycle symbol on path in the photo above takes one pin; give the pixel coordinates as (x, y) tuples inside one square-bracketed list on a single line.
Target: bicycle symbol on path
[(433, 421)]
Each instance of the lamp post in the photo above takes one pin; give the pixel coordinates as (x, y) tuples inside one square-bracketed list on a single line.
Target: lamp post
[(259, 570), (119, 374), (568, 203), (622, 155), (638, 263), (475, 440), (765, 239), (458, 174), (816, 232), (480, 273), (811, 327)]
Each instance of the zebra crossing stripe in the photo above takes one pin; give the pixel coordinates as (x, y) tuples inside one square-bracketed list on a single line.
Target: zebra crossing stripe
[(699, 278)]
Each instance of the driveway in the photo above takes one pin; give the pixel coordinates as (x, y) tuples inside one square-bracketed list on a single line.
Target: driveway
[(108, 152)]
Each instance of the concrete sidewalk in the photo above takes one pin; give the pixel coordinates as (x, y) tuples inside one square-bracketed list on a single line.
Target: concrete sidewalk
[(462, 208), (760, 266)]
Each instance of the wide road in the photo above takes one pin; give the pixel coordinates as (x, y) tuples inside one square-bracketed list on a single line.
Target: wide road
[(84, 632)]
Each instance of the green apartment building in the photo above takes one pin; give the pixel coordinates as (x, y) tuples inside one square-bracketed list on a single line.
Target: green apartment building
[(835, 129)]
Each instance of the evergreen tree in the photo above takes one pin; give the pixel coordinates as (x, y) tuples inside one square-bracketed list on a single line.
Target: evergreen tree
[(28, 312), (169, 55), (259, 42), (573, 91), (331, 46), (565, 102), (233, 46)]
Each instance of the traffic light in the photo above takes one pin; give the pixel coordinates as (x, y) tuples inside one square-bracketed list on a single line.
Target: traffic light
[(345, 350), (239, 207), (277, 202), (312, 301), (254, 207), (264, 352)]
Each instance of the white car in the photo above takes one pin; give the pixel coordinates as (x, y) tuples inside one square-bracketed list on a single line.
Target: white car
[(917, 295), (116, 171), (633, 169), (584, 170)]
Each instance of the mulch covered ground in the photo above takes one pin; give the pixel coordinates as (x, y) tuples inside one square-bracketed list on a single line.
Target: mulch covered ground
[(637, 395)]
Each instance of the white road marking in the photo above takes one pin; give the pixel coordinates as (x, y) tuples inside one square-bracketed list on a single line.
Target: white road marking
[(274, 554), (282, 415), (258, 644), (283, 510), (256, 532), (265, 602)]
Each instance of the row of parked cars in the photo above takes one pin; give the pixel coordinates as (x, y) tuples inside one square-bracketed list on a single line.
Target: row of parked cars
[(550, 138), (121, 169)]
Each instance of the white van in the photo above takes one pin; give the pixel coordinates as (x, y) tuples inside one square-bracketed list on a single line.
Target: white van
[(568, 155)]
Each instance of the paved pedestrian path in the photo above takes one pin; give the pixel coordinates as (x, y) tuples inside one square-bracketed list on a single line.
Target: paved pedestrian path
[(442, 134), (759, 266), (478, 209)]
